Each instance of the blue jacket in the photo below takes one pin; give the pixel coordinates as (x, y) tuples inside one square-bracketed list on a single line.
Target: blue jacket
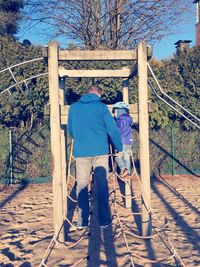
[(89, 124), (124, 123)]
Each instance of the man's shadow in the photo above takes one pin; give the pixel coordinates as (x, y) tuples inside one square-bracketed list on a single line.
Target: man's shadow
[(100, 238)]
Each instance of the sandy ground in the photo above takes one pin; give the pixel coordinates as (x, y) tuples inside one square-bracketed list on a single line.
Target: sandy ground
[(26, 229)]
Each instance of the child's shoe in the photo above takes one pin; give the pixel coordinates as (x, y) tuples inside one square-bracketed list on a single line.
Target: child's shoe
[(76, 226), (124, 173), (126, 178)]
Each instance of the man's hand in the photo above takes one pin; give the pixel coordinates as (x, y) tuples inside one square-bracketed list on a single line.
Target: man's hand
[(119, 154)]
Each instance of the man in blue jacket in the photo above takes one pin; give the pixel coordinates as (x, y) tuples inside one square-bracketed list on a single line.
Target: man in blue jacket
[(89, 124)]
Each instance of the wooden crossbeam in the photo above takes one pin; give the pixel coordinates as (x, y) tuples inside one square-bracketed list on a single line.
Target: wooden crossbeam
[(98, 55), (64, 109), (133, 110), (119, 73), (93, 55)]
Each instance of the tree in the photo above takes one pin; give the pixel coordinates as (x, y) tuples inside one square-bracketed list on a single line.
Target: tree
[(10, 16), (108, 23)]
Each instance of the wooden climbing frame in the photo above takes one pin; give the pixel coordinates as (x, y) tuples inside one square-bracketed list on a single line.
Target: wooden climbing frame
[(59, 112)]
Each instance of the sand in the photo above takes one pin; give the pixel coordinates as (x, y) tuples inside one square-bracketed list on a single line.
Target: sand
[(26, 228)]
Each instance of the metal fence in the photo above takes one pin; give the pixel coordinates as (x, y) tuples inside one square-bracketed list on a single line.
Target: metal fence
[(172, 151)]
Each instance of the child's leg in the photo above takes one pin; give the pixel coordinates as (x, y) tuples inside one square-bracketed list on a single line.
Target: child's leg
[(127, 149), (120, 162)]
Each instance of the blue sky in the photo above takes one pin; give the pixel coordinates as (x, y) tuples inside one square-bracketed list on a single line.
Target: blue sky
[(165, 48), (161, 50)]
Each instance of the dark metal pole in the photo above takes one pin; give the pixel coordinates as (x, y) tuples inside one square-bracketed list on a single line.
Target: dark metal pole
[(11, 156), (172, 149)]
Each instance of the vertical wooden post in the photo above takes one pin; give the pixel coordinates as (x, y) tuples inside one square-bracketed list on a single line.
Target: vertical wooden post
[(197, 23), (197, 11), (63, 133), (58, 208), (125, 86), (144, 138)]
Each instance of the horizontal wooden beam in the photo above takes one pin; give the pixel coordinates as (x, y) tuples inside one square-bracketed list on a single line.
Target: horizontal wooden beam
[(97, 54), (133, 109), (119, 73), (64, 110)]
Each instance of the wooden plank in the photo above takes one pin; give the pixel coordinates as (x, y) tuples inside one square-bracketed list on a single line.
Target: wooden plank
[(64, 118), (144, 138), (97, 55), (133, 109), (128, 191), (58, 209), (64, 109), (63, 134), (120, 73)]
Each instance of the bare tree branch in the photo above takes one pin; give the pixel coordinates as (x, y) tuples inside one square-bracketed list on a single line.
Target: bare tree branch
[(106, 24)]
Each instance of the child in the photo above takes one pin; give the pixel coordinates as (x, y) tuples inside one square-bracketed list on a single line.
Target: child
[(124, 122)]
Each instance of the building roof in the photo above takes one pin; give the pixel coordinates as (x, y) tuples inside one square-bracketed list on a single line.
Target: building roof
[(183, 42)]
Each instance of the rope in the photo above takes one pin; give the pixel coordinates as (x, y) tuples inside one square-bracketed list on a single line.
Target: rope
[(129, 255), (118, 217), (151, 212), (79, 261), (150, 260), (141, 237), (175, 254), (72, 199), (50, 247)]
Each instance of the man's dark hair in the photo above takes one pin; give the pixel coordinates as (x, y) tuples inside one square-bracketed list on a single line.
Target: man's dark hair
[(92, 89)]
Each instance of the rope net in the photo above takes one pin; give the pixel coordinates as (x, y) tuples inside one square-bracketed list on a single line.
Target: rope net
[(117, 244)]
